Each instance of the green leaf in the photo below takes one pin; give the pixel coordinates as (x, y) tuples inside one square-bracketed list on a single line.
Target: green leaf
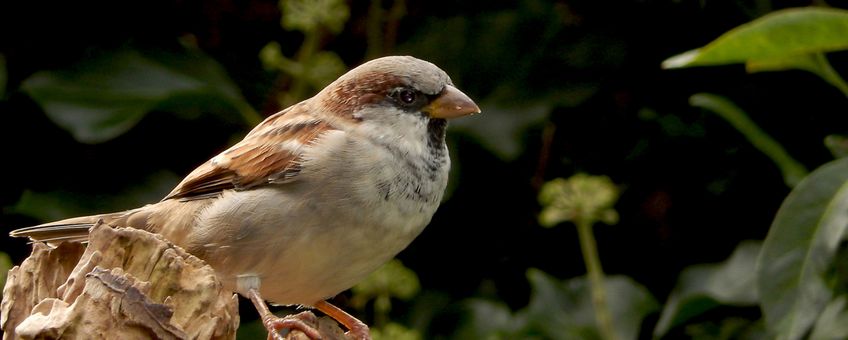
[(797, 256), (815, 63), (489, 320), (732, 328), (563, 310), (833, 322), (103, 97), (703, 287), (775, 36)]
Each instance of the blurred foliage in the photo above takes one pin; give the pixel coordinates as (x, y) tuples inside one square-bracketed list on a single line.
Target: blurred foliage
[(392, 280), (58, 204), (106, 95), (788, 39), (310, 15), (792, 170), (5, 265), (560, 310), (703, 287), (580, 199), (837, 144), (795, 270), (395, 331), (585, 200), (566, 87), (311, 69), (795, 273)]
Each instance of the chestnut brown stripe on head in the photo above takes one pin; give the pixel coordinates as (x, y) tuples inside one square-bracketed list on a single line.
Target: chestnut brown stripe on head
[(374, 83)]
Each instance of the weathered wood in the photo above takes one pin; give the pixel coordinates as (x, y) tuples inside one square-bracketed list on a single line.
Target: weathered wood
[(126, 284)]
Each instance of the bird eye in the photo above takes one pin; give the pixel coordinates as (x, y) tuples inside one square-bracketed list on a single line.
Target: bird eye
[(407, 96)]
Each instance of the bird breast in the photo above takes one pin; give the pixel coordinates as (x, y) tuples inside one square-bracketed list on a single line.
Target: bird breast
[(326, 230)]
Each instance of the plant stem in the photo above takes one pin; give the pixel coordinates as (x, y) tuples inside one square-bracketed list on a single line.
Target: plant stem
[(603, 318), (793, 171), (830, 75)]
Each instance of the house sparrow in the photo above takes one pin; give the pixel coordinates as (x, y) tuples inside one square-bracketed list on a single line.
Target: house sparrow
[(317, 196)]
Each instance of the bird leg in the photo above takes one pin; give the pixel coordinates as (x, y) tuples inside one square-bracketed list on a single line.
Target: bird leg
[(356, 329), (274, 323)]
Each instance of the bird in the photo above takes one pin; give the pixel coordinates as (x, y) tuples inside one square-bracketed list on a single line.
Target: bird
[(316, 196)]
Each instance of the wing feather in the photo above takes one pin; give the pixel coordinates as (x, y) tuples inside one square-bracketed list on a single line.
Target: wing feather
[(270, 153)]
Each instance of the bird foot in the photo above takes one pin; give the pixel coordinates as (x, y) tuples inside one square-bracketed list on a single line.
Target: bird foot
[(300, 322)]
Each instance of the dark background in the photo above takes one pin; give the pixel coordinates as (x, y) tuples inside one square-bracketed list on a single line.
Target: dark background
[(692, 186)]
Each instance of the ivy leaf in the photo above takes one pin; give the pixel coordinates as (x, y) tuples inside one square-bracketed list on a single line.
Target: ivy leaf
[(833, 323), (103, 97), (490, 320), (703, 287), (563, 309)]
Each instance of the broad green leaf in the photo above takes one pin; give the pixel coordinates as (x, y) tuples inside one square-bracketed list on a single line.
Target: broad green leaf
[(833, 322), (775, 36), (489, 320), (703, 287), (811, 62), (103, 97), (807, 62), (731, 328), (796, 260), (792, 170), (563, 309)]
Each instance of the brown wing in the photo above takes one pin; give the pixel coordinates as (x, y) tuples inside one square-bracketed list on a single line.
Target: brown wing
[(270, 153)]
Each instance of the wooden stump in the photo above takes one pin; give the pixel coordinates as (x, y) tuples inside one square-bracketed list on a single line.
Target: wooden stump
[(127, 284)]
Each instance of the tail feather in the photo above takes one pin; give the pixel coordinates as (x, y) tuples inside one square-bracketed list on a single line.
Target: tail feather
[(69, 230)]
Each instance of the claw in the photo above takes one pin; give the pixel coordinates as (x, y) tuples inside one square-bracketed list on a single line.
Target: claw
[(275, 324), (300, 322), (357, 330)]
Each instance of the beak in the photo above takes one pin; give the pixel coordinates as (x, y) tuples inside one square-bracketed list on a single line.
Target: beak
[(451, 103)]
